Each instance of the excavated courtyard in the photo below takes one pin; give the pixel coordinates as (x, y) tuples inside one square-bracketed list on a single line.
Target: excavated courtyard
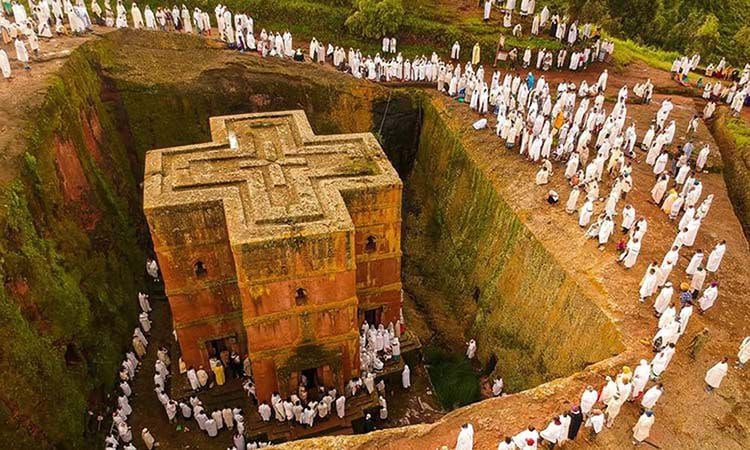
[(485, 256)]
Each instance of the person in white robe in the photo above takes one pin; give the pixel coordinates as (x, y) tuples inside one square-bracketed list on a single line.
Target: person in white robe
[(211, 428), (660, 188), (487, 10), (664, 299), (553, 432), (642, 428), (661, 361), (406, 377), (640, 378), (708, 298), (4, 64), (148, 439), (340, 406), (456, 51), (652, 396), (588, 400), (716, 374), (743, 355), (648, 283), (630, 255), (694, 263), (471, 349), (465, 439), (22, 55), (585, 213), (605, 231), (696, 283), (149, 18), (717, 254), (135, 12), (570, 205), (542, 176)]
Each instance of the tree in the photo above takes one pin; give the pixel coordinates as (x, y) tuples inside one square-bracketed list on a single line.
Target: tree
[(376, 18), (635, 16), (742, 41), (706, 37)]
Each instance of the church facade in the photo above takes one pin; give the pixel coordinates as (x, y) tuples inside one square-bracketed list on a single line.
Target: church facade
[(276, 243)]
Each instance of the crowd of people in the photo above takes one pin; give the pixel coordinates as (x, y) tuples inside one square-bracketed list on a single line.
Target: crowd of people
[(551, 129), (734, 94)]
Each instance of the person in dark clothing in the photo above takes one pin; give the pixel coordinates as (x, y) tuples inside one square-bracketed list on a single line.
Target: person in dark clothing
[(576, 419), (369, 424)]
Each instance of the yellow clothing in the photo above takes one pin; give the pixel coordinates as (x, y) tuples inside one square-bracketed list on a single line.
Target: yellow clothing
[(219, 373)]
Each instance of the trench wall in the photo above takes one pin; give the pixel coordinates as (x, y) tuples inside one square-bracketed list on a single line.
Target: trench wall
[(72, 262), (478, 272)]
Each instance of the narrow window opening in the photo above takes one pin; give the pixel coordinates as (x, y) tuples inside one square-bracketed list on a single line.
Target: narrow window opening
[(371, 244), (300, 296), (200, 269)]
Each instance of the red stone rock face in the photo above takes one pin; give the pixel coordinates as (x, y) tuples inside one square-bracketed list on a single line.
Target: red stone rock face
[(276, 242)]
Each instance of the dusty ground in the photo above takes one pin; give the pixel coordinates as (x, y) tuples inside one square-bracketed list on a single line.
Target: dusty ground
[(687, 417)]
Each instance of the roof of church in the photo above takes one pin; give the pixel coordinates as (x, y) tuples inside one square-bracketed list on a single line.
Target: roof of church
[(272, 174)]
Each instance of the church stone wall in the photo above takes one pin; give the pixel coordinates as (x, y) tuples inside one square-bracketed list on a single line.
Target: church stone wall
[(278, 240)]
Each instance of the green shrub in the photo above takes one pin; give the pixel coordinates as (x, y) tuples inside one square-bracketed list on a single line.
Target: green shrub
[(376, 18)]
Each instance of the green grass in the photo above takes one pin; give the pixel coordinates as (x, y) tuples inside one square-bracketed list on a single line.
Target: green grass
[(455, 381), (626, 51), (740, 131)]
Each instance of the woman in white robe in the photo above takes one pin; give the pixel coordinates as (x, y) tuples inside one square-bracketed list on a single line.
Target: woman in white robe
[(135, 12)]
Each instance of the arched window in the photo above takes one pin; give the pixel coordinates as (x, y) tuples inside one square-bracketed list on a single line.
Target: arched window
[(371, 245), (300, 296), (200, 269)]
